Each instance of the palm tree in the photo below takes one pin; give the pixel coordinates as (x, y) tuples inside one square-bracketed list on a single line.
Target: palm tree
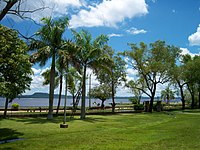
[(90, 51), (48, 44), (167, 94), (74, 83), (58, 81)]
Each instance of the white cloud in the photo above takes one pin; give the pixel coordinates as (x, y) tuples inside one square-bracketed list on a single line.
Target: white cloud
[(194, 39), (136, 31), (186, 51), (109, 13), (114, 35), (52, 8), (36, 71), (131, 72)]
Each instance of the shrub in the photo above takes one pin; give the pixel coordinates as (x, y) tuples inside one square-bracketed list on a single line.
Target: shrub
[(138, 107), (133, 100), (15, 106)]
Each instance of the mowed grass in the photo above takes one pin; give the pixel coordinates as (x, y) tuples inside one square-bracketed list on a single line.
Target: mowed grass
[(159, 131)]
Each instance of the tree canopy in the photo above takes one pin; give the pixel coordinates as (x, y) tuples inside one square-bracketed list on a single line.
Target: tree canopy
[(15, 67), (153, 64)]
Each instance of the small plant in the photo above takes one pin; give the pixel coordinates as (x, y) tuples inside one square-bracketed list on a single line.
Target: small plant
[(138, 107), (15, 106)]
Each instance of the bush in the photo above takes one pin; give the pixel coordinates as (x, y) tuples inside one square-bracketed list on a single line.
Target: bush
[(15, 106), (133, 100), (138, 107)]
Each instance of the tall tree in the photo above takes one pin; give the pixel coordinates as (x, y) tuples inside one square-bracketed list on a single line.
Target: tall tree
[(102, 92), (192, 74), (113, 73), (88, 54), (197, 75), (15, 68), (152, 64), (177, 74), (48, 43), (190, 77)]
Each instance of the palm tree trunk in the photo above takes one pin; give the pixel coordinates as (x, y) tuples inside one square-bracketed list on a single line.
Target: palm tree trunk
[(6, 108), (60, 94), (83, 95), (51, 87)]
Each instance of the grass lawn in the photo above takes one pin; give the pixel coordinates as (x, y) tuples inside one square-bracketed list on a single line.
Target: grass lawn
[(177, 130)]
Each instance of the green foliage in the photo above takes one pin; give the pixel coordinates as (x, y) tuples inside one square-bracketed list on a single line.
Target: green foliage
[(167, 94), (47, 45), (153, 64), (138, 107), (133, 100), (89, 53), (15, 106), (101, 92), (15, 68)]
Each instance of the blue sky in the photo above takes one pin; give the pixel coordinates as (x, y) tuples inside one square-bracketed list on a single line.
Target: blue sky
[(124, 21)]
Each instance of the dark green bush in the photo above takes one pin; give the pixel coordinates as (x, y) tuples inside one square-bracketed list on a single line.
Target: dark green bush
[(138, 107)]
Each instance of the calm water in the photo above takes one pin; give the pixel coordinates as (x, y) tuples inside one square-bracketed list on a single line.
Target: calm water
[(36, 102)]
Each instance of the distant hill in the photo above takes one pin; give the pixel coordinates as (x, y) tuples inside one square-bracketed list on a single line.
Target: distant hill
[(46, 95), (40, 95)]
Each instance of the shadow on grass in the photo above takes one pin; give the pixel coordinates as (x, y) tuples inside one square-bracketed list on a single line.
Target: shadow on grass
[(9, 134), (40, 120)]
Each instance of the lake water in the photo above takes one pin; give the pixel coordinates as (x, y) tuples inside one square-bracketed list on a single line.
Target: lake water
[(37, 102)]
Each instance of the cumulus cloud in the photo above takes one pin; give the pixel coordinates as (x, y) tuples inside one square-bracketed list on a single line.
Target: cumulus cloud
[(194, 39), (136, 31), (114, 35), (109, 13), (36, 71), (52, 8), (186, 51)]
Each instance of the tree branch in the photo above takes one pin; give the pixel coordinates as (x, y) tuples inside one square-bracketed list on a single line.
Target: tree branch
[(8, 6)]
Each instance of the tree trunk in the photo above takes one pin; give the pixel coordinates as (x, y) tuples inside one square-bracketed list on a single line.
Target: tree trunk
[(73, 99), (102, 103), (192, 105), (51, 87), (151, 104), (152, 98), (182, 96), (113, 98), (83, 94), (199, 99), (60, 94), (8, 6), (191, 90), (6, 108)]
